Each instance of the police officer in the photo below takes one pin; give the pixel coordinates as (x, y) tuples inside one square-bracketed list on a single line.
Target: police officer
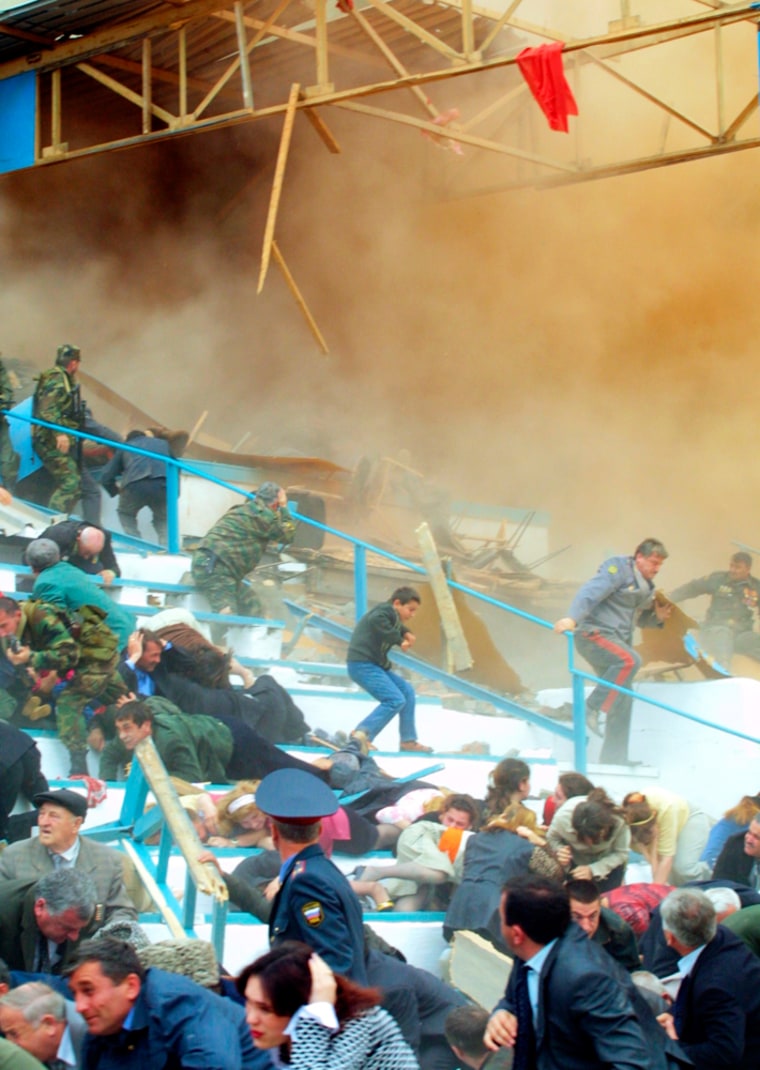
[(315, 903)]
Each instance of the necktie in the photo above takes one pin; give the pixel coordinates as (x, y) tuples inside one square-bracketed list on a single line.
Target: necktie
[(679, 1007), (525, 1045), (57, 861)]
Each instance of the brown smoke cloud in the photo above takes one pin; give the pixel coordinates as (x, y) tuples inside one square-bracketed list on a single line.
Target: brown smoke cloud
[(589, 351)]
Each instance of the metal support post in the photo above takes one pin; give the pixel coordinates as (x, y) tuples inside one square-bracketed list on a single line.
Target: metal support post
[(172, 508), (360, 580)]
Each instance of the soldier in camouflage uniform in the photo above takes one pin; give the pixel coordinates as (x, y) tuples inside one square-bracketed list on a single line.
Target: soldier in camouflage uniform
[(9, 460), (57, 400), (87, 665), (233, 548)]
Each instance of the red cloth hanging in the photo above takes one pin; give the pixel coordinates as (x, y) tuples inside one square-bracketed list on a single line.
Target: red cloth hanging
[(543, 71)]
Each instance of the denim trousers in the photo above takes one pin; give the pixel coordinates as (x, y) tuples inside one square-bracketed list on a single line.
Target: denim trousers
[(394, 694)]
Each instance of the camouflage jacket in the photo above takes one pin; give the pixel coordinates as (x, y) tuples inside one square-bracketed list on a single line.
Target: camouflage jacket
[(57, 400), (6, 390), (239, 538), (42, 628)]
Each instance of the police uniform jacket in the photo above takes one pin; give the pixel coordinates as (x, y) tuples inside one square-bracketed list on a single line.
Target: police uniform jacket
[(317, 906), (615, 600)]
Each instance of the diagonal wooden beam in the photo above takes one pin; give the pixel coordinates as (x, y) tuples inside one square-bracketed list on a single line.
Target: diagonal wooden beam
[(639, 91), (322, 130), (263, 29), (126, 93), (466, 139), (279, 259), (749, 109), (499, 25), (395, 63), (418, 31), (279, 174)]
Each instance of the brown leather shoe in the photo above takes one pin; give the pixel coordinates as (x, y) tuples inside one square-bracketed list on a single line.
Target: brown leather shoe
[(414, 745), (365, 743)]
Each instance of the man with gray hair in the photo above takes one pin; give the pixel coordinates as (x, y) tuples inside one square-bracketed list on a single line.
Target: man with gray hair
[(41, 924), (61, 584), (45, 1024), (59, 845), (716, 1015)]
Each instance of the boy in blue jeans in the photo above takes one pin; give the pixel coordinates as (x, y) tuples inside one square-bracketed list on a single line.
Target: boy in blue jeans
[(383, 627)]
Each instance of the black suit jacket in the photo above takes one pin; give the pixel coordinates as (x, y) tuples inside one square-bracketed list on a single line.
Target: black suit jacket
[(590, 1015), (732, 862), (721, 1008)]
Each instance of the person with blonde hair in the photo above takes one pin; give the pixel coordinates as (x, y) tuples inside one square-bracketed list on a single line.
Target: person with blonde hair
[(737, 819), (508, 845), (670, 833)]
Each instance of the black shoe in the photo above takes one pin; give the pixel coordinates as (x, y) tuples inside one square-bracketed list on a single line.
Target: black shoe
[(78, 763)]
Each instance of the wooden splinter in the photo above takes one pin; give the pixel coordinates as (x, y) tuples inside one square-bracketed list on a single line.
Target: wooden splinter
[(293, 287), (279, 173)]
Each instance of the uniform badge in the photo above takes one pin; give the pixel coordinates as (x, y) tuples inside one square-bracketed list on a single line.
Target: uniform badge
[(613, 569), (313, 913), (299, 867)]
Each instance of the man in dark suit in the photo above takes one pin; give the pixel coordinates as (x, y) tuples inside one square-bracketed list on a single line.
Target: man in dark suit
[(568, 1006), (740, 858), (41, 924), (716, 1015)]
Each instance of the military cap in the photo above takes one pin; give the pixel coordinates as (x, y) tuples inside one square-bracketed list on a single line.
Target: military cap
[(295, 796), (69, 800), (66, 353), (268, 493)]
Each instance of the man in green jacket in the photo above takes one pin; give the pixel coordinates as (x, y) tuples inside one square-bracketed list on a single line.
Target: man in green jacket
[(194, 747)]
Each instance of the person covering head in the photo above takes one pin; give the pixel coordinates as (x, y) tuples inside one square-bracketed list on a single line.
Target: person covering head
[(41, 554), (268, 493), (64, 903), (295, 797)]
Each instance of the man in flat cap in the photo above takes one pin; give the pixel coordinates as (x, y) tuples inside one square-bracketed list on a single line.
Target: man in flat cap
[(315, 902), (60, 846), (234, 546)]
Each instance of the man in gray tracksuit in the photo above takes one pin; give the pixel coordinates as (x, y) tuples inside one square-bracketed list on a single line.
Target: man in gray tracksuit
[(605, 611)]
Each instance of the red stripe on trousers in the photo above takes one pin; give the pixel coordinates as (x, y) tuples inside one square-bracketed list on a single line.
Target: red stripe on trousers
[(626, 670)]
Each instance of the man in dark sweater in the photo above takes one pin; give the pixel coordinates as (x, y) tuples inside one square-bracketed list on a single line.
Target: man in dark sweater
[(383, 627)]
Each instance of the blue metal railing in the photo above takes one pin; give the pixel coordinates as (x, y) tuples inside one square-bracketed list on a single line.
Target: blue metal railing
[(360, 549)]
